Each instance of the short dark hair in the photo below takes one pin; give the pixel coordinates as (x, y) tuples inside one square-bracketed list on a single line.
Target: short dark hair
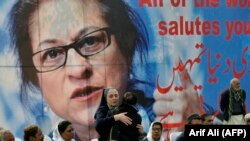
[(157, 123), (30, 131), (63, 125), (130, 98), (193, 117)]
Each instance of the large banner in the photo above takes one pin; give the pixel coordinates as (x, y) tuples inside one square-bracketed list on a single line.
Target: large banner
[(57, 56)]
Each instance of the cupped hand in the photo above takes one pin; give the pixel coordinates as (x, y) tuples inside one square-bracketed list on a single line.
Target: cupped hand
[(173, 108), (123, 118)]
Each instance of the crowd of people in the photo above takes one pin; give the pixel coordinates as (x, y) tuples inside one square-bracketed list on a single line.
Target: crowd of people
[(75, 56), (117, 119), (114, 121), (32, 132)]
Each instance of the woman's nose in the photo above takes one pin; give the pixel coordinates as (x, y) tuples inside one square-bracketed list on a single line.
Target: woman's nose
[(77, 65)]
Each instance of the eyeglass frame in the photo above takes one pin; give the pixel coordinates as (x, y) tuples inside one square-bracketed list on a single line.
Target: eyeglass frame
[(157, 129), (76, 45)]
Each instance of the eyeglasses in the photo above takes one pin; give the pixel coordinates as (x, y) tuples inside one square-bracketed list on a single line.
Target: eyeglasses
[(90, 44), (156, 129)]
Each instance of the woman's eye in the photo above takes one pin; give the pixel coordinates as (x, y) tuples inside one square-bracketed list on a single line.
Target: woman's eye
[(52, 54), (90, 41), (93, 43)]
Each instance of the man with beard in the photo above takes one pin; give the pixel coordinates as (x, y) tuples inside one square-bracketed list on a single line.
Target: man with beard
[(232, 103)]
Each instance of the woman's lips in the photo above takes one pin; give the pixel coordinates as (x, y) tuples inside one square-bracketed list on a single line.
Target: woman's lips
[(86, 92)]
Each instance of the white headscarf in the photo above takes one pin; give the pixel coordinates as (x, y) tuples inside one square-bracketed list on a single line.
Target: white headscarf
[(149, 135), (57, 136)]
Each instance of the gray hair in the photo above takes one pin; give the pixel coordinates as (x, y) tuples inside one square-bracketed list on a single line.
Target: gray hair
[(233, 80), (106, 91)]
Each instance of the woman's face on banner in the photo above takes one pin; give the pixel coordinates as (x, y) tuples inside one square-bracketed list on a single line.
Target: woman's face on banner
[(74, 90)]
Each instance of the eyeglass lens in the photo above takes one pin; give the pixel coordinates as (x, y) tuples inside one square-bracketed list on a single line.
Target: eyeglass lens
[(55, 57)]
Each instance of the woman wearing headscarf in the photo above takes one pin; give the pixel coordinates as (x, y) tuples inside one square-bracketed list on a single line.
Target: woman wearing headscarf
[(155, 132), (63, 132), (105, 117)]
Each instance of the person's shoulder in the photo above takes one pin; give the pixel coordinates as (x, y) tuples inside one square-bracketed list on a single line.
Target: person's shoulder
[(180, 137), (225, 91), (103, 108), (145, 139), (244, 91), (101, 111)]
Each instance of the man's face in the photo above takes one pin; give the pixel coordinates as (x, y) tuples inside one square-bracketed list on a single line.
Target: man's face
[(38, 137), (208, 120), (74, 90), (236, 84), (196, 122), (156, 132)]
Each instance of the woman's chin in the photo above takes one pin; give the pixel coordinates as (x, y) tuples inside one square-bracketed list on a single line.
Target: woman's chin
[(83, 120)]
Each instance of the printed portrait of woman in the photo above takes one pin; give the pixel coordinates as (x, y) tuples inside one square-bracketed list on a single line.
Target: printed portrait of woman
[(70, 50)]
